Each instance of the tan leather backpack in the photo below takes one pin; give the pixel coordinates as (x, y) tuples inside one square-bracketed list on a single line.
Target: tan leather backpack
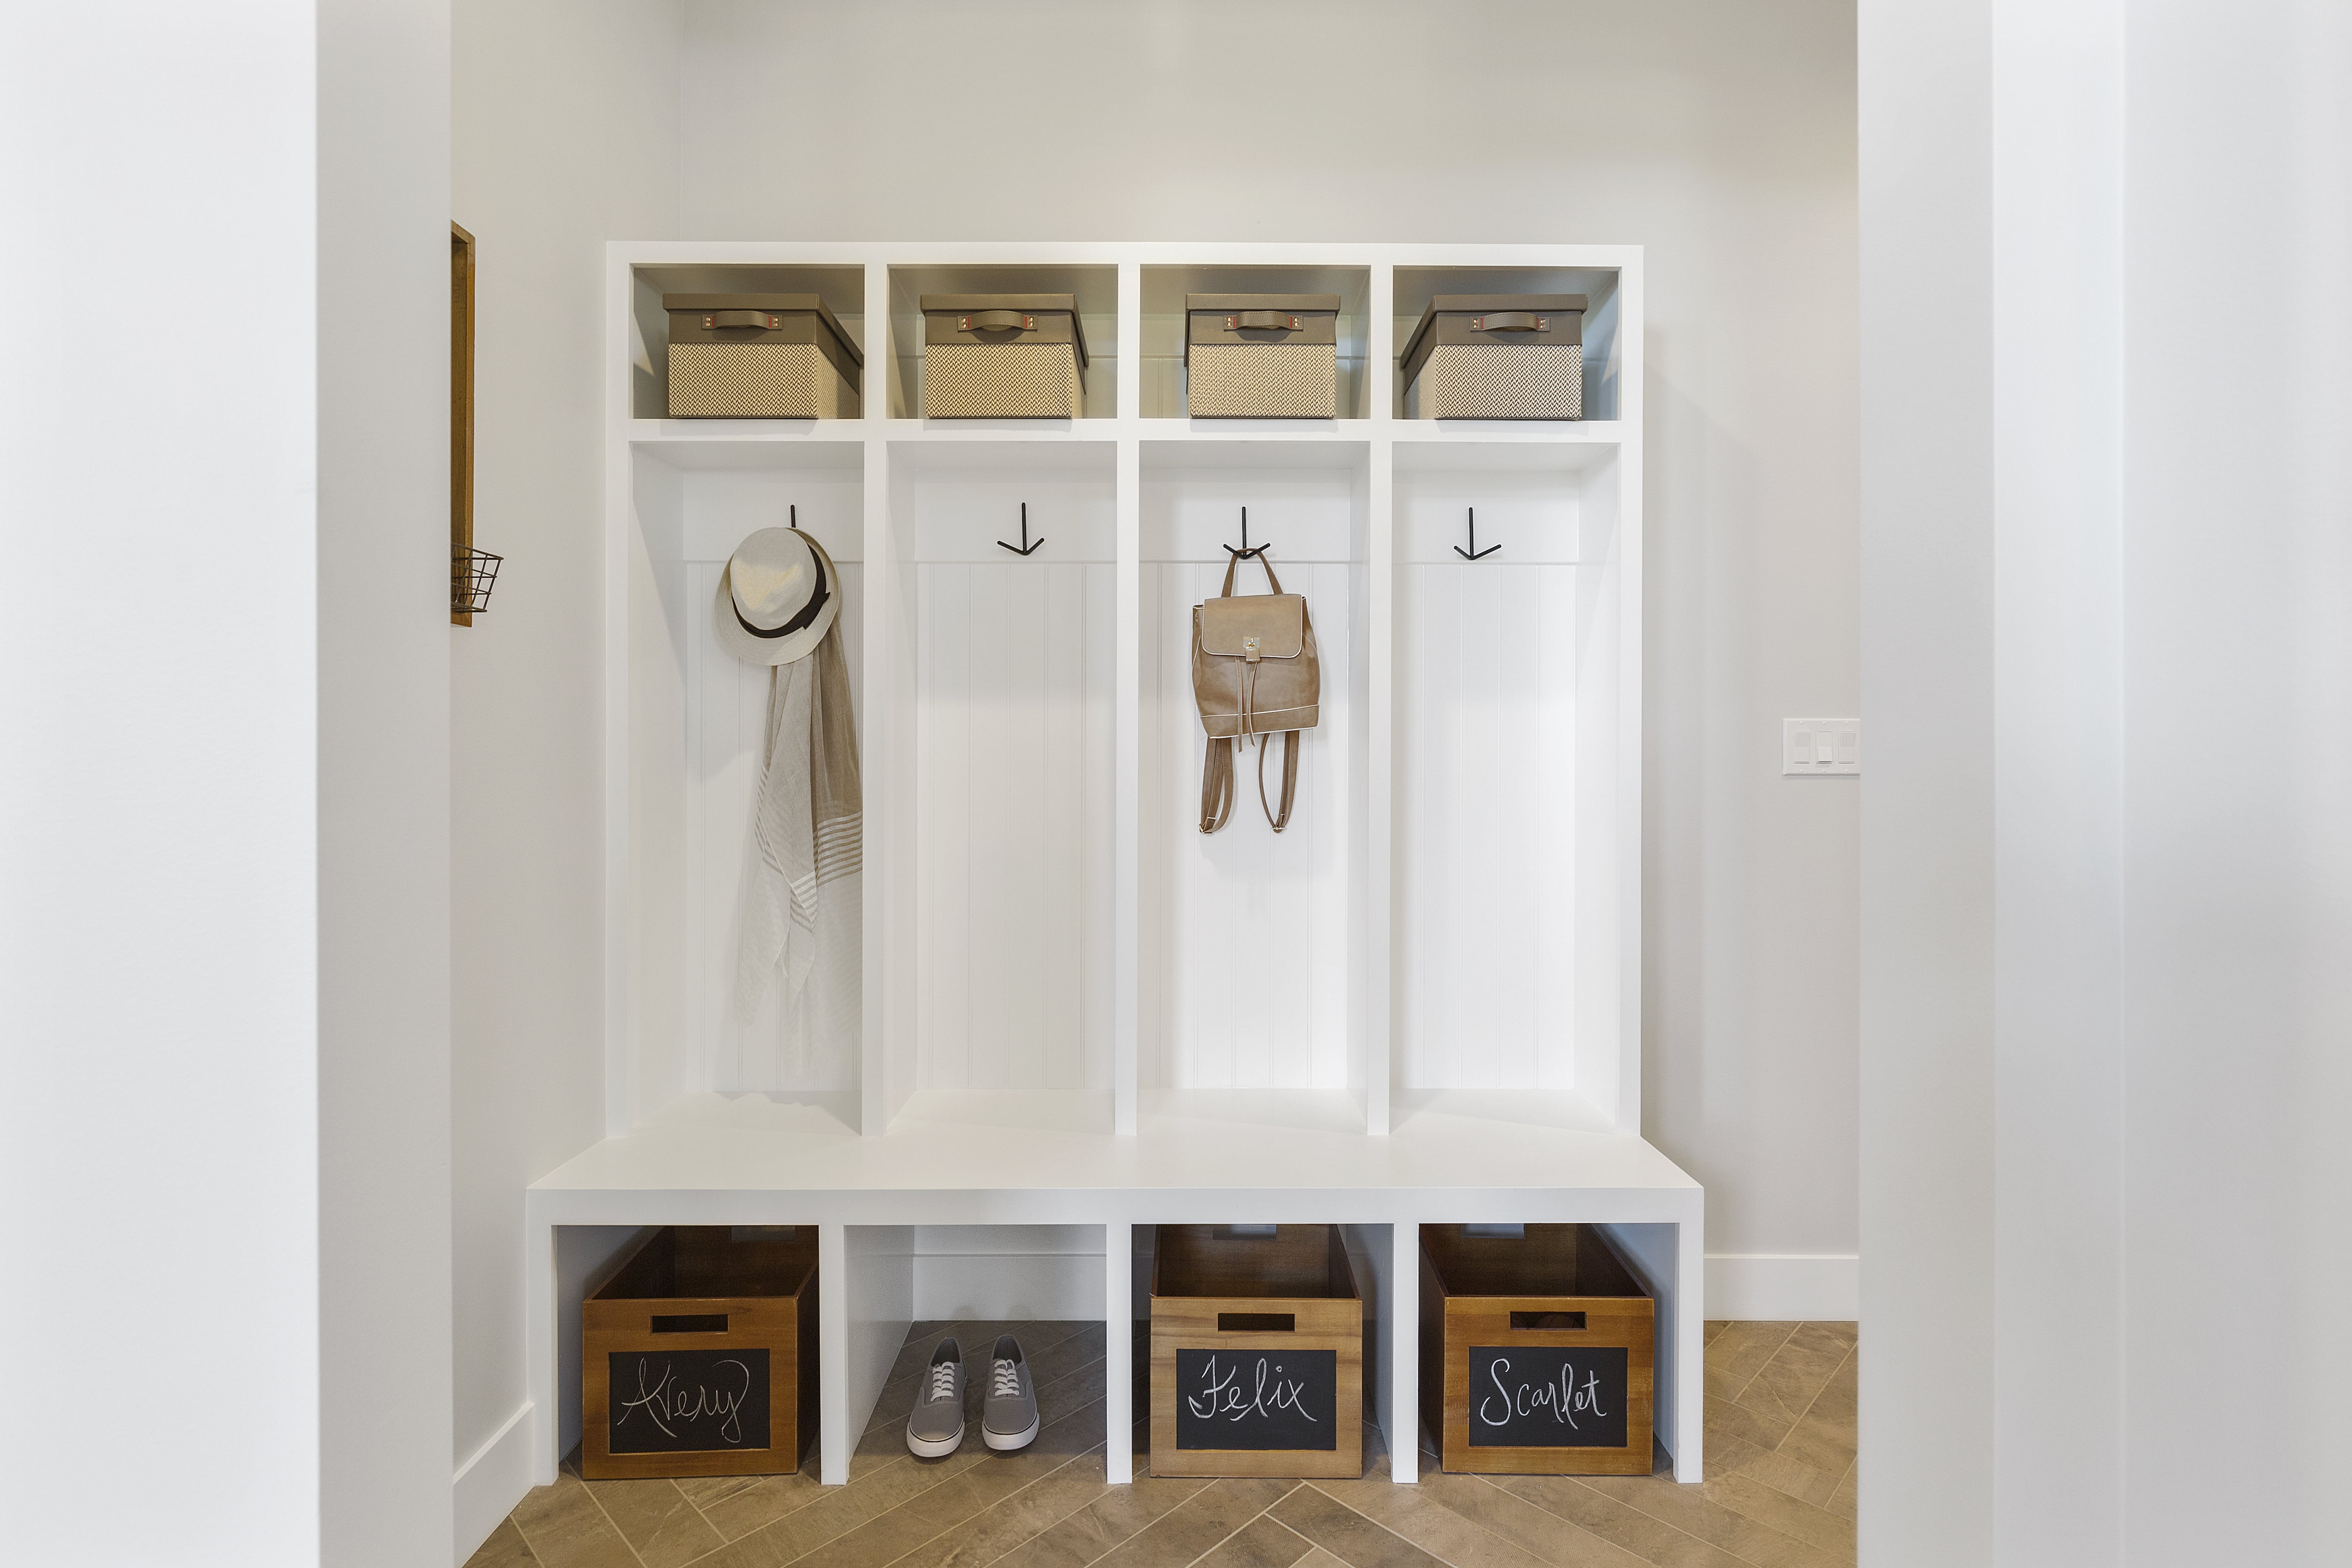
[(1254, 673)]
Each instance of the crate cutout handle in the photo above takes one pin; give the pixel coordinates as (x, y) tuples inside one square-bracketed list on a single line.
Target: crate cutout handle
[(1278, 321), (690, 1323), (1510, 321), (1493, 1232), (1554, 1320), (760, 319), (996, 320), (1260, 1323)]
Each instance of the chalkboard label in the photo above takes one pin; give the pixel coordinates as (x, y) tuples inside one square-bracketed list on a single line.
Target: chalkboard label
[(1547, 1396), (1257, 1399), (686, 1401)]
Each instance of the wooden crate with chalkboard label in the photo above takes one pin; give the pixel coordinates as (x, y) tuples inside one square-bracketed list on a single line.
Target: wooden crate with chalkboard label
[(699, 1356), (1536, 1351), (1257, 1352)]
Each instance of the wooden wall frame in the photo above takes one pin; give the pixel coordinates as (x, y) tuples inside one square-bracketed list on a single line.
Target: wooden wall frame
[(461, 415)]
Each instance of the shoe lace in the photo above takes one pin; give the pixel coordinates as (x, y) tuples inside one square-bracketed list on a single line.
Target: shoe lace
[(943, 1376), (1006, 1382)]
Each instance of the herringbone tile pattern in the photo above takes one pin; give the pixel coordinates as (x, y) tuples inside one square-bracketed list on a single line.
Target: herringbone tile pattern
[(1780, 1492)]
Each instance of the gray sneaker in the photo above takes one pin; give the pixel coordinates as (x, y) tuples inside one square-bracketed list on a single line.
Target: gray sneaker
[(1008, 1419), (937, 1424)]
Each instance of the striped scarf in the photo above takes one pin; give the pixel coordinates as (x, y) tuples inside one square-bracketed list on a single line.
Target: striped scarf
[(807, 835)]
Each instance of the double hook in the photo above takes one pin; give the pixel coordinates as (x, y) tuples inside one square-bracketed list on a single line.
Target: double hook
[(1024, 547), (1246, 550)]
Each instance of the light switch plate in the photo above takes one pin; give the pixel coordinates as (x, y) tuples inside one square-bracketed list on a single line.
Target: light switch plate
[(1820, 746)]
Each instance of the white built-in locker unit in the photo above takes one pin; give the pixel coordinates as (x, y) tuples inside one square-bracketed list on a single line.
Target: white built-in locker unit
[(1421, 1003)]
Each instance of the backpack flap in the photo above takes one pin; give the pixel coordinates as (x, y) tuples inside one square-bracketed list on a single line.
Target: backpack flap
[(1254, 627)]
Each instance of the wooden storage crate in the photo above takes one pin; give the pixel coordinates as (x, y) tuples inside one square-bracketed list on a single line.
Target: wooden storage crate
[(1536, 1352), (1258, 1353), (698, 1357)]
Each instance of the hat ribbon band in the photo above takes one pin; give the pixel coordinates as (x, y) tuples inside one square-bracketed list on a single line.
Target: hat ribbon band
[(798, 623)]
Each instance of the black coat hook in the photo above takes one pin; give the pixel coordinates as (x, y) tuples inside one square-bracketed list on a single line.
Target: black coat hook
[(1246, 550), (1024, 547), (1474, 553)]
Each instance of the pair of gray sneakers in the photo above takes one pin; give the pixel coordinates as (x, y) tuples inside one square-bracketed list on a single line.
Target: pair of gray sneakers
[(1008, 1416)]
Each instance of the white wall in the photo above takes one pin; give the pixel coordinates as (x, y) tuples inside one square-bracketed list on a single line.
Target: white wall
[(2104, 997), (1718, 134), (383, 776), (158, 796), (563, 137), (223, 812)]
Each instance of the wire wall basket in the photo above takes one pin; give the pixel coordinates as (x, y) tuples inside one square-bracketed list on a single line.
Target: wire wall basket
[(472, 574)]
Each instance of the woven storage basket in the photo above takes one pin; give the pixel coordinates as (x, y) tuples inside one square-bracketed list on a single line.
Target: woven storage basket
[(1497, 356), (1262, 356), (759, 356), (1003, 356)]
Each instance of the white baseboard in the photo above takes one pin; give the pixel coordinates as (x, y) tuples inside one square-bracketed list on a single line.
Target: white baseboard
[(494, 1477), (1061, 1285), (1784, 1287)]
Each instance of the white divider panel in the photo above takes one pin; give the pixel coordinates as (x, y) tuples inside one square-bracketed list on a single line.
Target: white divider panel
[(727, 718), (1486, 770), (1013, 724), (1244, 932)]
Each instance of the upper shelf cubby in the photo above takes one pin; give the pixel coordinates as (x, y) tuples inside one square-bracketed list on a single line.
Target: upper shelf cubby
[(1164, 289), (843, 289), (1095, 289), (1417, 286)]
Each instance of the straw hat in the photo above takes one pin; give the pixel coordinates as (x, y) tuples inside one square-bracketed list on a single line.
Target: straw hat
[(777, 598)]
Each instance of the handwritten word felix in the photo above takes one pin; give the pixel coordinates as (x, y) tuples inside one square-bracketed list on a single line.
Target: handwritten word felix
[(1222, 1393)]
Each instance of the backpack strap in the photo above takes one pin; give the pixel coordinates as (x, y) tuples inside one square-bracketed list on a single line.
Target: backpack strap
[(1217, 785), (1289, 779), (1273, 584)]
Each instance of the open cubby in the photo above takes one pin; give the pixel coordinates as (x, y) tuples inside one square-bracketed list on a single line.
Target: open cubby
[(1006, 664), (1096, 289), (1509, 702), (1252, 971), (843, 289), (1164, 289), (1074, 1012), (1417, 286)]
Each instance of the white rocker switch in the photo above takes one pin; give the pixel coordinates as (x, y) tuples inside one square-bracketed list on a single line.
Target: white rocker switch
[(1829, 746)]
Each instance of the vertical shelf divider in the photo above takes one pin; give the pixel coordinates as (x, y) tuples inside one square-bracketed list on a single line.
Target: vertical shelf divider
[(1380, 932), (1118, 1352), (882, 765), (1127, 765)]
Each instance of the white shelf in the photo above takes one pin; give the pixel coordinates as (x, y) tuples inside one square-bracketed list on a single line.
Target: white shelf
[(1421, 1003)]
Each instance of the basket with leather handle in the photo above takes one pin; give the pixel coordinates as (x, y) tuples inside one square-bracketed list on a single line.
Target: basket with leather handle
[(1254, 673)]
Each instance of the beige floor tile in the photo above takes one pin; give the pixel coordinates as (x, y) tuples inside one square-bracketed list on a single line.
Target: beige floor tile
[(1691, 1511), (567, 1530), (1824, 1437), (1421, 1515), (1740, 1352), (1197, 1525), (1104, 1524), (1762, 1429), (1348, 1535), (1026, 1514), (1779, 1511), (1845, 1501), (1716, 1326), (736, 1506), (506, 1548), (1317, 1558), (1794, 1476), (1522, 1504), (1849, 1334), (1260, 1543), (657, 1520), (1786, 1385)]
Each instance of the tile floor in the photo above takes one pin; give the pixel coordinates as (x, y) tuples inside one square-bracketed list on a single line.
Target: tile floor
[(1780, 1493)]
